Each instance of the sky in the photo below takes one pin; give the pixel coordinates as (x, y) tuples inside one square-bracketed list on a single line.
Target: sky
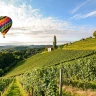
[(35, 22)]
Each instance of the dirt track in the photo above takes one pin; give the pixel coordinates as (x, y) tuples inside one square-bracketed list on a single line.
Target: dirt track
[(80, 92)]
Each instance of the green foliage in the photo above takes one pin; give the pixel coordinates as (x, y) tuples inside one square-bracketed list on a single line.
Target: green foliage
[(48, 59), (1, 72), (9, 59), (42, 81), (22, 54), (85, 44), (79, 73), (94, 34), (54, 42), (61, 46), (14, 90), (4, 83), (79, 70)]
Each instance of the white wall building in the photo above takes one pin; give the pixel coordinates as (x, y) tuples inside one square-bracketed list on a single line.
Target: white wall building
[(49, 49)]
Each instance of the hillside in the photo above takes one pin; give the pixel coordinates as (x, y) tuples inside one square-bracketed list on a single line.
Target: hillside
[(84, 44), (55, 57), (78, 70), (69, 52)]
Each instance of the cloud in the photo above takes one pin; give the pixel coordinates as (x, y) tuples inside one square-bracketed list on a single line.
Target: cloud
[(26, 17), (28, 23), (80, 6), (81, 16), (89, 14), (30, 26)]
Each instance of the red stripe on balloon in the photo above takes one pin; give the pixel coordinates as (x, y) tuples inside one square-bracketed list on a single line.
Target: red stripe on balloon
[(5, 21)]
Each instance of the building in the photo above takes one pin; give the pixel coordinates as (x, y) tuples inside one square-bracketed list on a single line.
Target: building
[(49, 49)]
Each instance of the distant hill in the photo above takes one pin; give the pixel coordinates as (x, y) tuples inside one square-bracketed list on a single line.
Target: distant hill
[(6, 47), (22, 47), (83, 44)]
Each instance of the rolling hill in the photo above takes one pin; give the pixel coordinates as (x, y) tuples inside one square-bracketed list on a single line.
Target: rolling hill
[(76, 50), (83, 44), (55, 57), (78, 65)]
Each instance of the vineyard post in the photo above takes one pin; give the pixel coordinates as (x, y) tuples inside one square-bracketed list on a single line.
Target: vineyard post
[(60, 86), (32, 91), (1, 93)]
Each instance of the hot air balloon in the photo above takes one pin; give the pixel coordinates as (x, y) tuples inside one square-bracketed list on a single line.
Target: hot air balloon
[(5, 24)]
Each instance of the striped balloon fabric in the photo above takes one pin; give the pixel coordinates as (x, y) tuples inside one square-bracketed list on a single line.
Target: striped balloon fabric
[(5, 24)]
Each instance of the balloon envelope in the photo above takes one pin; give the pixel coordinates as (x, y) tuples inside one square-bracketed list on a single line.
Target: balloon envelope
[(5, 24)]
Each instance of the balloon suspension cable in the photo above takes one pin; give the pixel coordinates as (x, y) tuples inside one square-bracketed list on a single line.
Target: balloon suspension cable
[(3, 35)]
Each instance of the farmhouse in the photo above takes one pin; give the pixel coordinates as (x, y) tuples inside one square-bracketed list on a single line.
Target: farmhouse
[(49, 49)]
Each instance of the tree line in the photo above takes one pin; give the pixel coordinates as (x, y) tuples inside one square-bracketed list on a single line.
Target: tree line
[(9, 59)]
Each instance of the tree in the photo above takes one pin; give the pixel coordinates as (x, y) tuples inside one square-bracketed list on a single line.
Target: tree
[(1, 72), (54, 42), (94, 34)]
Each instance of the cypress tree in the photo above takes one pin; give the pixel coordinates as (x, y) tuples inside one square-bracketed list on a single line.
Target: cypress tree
[(54, 42)]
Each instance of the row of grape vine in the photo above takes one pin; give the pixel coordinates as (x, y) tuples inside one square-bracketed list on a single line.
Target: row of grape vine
[(4, 83), (79, 73)]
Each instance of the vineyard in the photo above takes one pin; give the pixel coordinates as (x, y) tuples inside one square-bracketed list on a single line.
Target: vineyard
[(14, 89), (42, 77), (83, 44), (79, 73), (49, 59), (4, 83)]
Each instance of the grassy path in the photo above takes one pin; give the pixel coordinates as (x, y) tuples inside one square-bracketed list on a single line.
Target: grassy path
[(78, 91), (14, 89)]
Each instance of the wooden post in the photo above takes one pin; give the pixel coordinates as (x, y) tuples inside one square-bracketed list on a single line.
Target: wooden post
[(0, 93), (42, 93), (32, 91), (60, 86)]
